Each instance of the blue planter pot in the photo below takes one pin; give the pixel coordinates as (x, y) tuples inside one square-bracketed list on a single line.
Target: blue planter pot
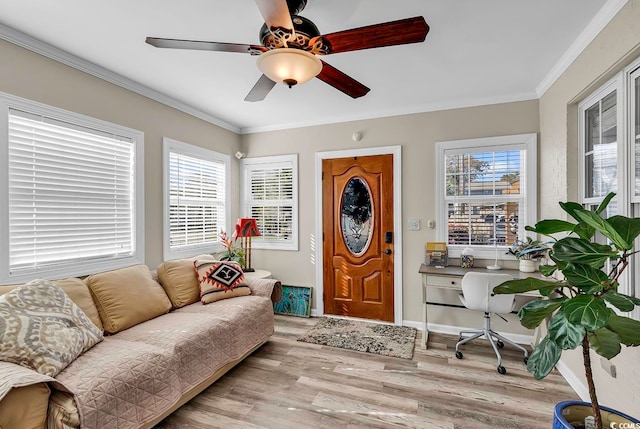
[(575, 411)]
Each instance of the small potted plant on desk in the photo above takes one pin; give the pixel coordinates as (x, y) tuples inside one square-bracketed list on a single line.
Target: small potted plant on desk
[(582, 306), (528, 252)]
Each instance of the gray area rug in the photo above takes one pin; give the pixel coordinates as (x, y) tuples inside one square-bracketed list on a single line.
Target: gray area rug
[(387, 340)]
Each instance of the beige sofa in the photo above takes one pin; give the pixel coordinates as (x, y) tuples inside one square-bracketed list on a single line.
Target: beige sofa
[(161, 348)]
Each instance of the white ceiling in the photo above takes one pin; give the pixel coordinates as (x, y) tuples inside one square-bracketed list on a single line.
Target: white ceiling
[(477, 52)]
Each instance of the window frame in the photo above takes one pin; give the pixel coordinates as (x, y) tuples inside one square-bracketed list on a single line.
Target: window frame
[(174, 146), (73, 268), (614, 84), (632, 75), (632, 72), (526, 142), (246, 165)]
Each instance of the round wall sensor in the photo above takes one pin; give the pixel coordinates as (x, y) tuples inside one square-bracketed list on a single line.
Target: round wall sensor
[(357, 136)]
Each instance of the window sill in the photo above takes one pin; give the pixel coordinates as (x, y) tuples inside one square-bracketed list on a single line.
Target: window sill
[(78, 269)]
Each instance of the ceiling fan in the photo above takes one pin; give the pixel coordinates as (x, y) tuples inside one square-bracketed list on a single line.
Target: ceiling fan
[(291, 44)]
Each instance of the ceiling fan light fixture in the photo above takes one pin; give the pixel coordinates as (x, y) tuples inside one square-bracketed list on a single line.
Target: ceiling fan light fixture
[(289, 65)]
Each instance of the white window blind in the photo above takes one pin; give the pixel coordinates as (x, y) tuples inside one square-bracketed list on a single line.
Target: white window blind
[(483, 195), (600, 122), (70, 192), (197, 198), (270, 191), (486, 192)]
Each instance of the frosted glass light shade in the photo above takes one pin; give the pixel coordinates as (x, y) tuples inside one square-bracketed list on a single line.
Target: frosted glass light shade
[(289, 66)]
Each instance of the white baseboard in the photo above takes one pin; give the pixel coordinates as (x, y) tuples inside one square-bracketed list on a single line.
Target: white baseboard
[(412, 324), (575, 382), (455, 330)]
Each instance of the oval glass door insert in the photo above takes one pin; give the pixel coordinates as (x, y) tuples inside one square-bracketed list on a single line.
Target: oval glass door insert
[(357, 216)]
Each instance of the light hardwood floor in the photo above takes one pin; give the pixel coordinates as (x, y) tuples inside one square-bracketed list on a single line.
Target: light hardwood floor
[(291, 385)]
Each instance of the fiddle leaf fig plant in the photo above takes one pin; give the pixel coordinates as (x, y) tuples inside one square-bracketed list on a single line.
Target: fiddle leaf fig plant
[(582, 306)]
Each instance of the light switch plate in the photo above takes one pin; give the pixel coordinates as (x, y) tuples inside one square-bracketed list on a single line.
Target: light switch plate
[(413, 224)]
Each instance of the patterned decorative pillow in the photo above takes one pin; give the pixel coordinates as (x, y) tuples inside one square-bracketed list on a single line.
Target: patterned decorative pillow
[(41, 328), (219, 280)]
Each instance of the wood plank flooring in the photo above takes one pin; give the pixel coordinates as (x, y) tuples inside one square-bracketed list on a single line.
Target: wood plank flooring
[(291, 385)]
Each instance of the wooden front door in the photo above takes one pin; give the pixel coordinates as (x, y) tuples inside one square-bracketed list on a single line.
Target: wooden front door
[(357, 199)]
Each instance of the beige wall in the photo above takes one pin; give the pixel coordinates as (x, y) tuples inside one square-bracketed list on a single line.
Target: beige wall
[(32, 76), (614, 47), (416, 134)]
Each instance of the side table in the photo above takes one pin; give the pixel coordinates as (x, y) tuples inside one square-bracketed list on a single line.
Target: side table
[(258, 274)]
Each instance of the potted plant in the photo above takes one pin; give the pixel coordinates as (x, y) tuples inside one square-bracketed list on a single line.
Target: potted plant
[(527, 252), (582, 305), (230, 252)]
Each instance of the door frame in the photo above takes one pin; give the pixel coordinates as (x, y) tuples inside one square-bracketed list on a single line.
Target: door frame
[(396, 151)]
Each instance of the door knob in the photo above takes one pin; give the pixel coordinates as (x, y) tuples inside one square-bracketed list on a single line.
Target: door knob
[(387, 251)]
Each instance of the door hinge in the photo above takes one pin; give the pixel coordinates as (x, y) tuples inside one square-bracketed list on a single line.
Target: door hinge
[(323, 175)]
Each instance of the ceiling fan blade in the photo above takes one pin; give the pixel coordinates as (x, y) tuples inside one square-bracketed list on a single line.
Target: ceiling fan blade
[(275, 14), (204, 46), (402, 32), (341, 81), (260, 90)]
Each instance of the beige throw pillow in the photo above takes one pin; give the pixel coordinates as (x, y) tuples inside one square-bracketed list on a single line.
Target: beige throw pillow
[(179, 281), (43, 329), (220, 280), (127, 297), (77, 291)]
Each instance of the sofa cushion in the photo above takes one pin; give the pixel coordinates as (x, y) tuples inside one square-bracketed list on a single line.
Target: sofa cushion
[(127, 297), (79, 294), (179, 280), (204, 338), (63, 412), (122, 384), (43, 329), (220, 280)]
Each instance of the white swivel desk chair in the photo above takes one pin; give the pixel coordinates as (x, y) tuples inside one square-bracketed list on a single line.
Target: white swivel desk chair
[(477, 294)]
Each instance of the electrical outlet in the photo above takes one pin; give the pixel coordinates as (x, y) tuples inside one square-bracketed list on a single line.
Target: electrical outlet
[(413, 224), (608, 366)]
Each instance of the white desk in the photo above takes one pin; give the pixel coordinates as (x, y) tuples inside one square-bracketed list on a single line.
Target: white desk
[(451, 278)]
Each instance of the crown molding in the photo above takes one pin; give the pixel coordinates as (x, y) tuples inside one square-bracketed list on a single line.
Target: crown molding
[(39, 47), (422, 108), (602, 18)]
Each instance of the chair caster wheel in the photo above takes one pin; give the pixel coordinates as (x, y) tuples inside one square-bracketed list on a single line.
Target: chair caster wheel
[(502, 370), (526, 360), (500, 344), (459, 355)]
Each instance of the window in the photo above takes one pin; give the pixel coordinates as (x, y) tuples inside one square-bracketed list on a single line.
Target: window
[(599, 136), (486, 190), (610, 154), (196, 205), (72, 198), (270, 195), (634, 132)]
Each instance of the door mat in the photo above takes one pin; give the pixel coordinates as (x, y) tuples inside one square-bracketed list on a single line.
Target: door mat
[(386, 340)]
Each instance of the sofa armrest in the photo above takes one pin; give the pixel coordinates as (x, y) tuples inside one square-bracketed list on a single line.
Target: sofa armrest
[(268, 288), (24, 397), (25, 407)]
